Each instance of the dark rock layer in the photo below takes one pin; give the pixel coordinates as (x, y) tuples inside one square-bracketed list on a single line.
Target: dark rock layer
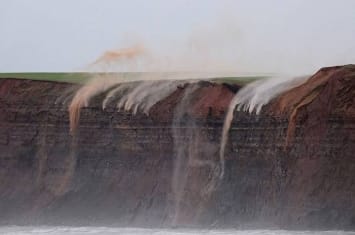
[(293, 166)]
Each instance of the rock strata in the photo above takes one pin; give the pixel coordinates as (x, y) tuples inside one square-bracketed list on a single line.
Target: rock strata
[(292, 166)]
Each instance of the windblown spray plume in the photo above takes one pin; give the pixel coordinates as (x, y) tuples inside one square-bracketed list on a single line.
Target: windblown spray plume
[(115, 56), (252, 98), (150, 87), (134, 90), (138, 92)]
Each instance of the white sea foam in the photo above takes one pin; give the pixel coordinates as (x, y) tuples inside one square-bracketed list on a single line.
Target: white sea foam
[(14, 230)]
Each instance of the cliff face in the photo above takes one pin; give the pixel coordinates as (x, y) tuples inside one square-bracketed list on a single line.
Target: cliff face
[(292, 166), (319, 144)]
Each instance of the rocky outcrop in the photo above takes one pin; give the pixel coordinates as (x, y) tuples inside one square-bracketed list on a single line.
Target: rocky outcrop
[(292, 166), (319, 145)]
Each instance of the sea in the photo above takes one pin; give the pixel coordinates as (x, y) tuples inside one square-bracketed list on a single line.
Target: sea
[(16, 230)]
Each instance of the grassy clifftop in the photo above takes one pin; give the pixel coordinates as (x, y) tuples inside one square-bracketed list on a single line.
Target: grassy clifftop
[(81, 77), (59, 77)]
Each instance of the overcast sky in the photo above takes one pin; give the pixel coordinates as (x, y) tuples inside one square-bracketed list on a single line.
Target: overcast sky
[(286, 36)]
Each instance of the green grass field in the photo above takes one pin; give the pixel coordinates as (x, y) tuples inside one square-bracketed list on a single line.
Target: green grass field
[(59, 77), (81, 77), (239, 80)]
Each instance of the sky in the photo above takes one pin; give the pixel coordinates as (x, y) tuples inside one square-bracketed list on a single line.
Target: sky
[(247, 36)]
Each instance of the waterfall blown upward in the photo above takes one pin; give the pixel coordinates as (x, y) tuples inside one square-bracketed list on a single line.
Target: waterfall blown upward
[(192, 148), (130, 96), (141, 94), (181, 151), (251, 99), (193, 152)]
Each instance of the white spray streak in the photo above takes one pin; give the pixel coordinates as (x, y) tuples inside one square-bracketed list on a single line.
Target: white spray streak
[(160, 91), (135, 91), (148, 93), (179, 178), (117, 92), (141, 96), (252, 98), (190, 151), (127, 101)]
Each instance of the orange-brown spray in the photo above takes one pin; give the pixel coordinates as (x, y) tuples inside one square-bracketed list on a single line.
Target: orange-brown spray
[(116, 55), (83, 96), (101, 83)]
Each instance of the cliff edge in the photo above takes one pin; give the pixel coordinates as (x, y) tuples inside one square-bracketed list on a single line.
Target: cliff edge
[(292, 166)]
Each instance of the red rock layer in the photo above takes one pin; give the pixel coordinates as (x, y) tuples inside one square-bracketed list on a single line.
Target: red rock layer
[(328, 93), (209, 100)]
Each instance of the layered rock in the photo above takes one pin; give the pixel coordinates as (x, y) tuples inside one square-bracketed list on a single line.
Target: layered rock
[(292, 166)]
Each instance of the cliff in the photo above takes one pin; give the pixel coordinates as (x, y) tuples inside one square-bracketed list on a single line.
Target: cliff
[(291, 166)]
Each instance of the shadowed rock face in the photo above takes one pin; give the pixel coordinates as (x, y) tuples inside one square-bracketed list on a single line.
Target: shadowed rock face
[(292, 166)]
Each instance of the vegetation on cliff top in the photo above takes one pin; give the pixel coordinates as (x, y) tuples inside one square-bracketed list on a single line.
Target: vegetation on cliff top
[(81, 77)]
